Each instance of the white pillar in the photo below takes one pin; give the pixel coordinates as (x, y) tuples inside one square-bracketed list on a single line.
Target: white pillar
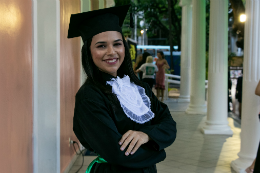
[(218, 70), (185, 50), (250, 127), (198, 57), (46, 86)]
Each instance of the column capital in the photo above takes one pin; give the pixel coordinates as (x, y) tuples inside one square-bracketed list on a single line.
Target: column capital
[(184, 3)]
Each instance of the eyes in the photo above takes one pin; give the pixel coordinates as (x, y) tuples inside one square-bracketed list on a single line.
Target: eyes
[(104, 45)]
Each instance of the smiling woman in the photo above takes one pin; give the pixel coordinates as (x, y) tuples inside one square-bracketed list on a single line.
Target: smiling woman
[(108, 51), (116, 115)]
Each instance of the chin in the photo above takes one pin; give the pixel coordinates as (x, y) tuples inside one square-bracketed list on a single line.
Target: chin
[(111, 72)]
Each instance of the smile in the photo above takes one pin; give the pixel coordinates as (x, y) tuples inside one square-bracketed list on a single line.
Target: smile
[(111, 61)]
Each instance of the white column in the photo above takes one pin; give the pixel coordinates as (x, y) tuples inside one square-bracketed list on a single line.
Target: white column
[(198, 57), (185, 50), (46, 86), (250, 127), (218, 68)]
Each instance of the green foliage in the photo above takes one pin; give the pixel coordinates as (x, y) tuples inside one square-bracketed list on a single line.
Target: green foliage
[(122, 2), (157, 18), (169, 71), (207, 23), (207, 64)]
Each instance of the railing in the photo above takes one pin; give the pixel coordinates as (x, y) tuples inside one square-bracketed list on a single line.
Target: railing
[(168, 80)]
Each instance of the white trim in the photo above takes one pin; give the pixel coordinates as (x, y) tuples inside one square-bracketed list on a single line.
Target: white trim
[(35, 86), (46, 86), (58, 84)]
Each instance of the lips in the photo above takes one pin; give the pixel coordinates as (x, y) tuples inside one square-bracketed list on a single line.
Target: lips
[(111, 61)]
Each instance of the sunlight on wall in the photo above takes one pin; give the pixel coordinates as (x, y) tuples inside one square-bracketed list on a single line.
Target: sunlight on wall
[(10, 18)]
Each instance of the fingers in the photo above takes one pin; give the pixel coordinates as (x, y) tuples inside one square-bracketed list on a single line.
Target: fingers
[(137, 145), (124, 137), (136, 138), (131, 146)]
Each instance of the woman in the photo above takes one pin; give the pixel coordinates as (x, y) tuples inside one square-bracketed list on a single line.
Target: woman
[(149, 70), (116, 115), (144, 57), (162, 64), (138, 60)]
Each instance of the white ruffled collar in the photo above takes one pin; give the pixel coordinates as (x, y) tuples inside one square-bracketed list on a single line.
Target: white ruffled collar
[(133, 99)]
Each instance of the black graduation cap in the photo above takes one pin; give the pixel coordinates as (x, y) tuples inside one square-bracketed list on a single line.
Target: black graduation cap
[(90, 23)]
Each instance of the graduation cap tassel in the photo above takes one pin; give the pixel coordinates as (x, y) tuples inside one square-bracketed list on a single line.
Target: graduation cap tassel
[(131, 18)]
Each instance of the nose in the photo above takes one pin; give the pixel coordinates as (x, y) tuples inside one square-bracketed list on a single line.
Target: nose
[(110, 50)]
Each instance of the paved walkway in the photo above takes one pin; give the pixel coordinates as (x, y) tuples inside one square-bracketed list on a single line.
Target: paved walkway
[(192, 151)]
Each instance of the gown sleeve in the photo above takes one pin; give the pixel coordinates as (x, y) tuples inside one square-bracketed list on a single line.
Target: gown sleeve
[(98, 129), (162, 130)]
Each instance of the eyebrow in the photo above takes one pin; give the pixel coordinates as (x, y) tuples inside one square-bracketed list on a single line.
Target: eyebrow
[(102, 42)]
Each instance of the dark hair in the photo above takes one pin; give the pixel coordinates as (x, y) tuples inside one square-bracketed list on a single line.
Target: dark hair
[(144, 57), (162, 54), (93, 72)]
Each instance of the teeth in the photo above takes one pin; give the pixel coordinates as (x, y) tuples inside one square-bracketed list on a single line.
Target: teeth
[(111, 61)]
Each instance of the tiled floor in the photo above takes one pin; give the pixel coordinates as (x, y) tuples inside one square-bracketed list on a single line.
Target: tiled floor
[(192, 151)]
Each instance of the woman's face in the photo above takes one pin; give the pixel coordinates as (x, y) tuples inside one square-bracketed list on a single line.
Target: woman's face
[(108, 51), (159, 55)]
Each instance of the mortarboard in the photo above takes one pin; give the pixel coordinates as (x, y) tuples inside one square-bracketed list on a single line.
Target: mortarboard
[(90, 23)]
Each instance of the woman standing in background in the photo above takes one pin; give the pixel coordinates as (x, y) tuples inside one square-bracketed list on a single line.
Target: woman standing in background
[(138, 60), (162, 64), (149, 70), (145, 55)]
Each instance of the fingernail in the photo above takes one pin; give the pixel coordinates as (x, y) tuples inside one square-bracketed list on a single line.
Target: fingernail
[(126, 153), (120, 143), (122, 149), (132, 152)]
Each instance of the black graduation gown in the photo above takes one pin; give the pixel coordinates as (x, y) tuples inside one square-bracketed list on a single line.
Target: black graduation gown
[(99, 129)]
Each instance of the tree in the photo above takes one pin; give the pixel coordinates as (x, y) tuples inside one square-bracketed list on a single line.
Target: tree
[(238, 8), (156, 15)]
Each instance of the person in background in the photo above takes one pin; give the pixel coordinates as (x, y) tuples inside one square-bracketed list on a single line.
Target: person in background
[(255, 167), (145, 55), (239, 93), (229, 91), (138, 60), (162, 64), (148, 70)]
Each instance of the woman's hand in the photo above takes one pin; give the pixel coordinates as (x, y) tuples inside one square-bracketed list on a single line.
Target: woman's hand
[(250, 169), (136, 138), (166, 65)]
